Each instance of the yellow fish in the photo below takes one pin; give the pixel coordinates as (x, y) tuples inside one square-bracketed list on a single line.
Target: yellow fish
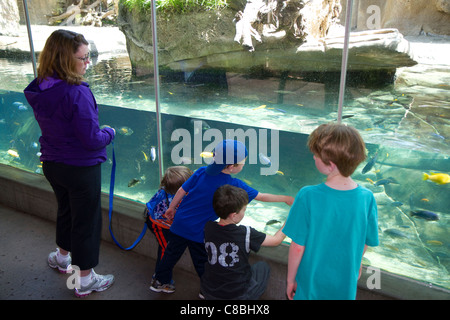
[(370, 180), (206, 154), (125, 131), (260, 107), (13, 153), (280, 173), (145, 156), (435, 242), (439, 178)]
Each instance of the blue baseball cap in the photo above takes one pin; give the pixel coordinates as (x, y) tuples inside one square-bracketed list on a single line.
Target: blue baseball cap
[(225, 153)]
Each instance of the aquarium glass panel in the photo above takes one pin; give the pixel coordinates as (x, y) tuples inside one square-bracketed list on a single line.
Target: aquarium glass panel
[(404, 115)]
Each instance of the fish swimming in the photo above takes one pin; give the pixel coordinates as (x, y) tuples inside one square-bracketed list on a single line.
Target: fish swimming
[(153, 154), (394, 233), (125, 131), (385, 181), (370, 164), (264, 159), (273, 221), (145, 156), (133, 182), (345, 117), (206, 154), (13, 153), (201, 123), (438, 136), (260, 107), (435, 242), (20, 106), (439, 178), (426, 215)]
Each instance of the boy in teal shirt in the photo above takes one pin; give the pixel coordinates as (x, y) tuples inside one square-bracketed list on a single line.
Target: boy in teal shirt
[(331, 224)]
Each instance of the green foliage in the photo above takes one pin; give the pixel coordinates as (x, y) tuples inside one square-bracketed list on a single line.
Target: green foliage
[(175, 6)]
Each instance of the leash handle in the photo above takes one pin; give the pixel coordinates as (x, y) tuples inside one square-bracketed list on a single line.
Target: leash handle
[(111, 200)]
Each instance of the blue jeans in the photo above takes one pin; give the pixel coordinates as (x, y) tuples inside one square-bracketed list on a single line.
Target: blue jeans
[(175, 248)]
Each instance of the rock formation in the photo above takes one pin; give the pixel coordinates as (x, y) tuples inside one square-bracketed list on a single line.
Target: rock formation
[(278, 35), (216, 38)]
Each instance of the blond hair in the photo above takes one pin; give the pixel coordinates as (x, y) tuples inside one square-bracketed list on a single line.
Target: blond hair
[(174, 177), (57, 57)]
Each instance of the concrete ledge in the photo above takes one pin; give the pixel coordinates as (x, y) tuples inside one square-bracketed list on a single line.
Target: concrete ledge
[(31, 193)]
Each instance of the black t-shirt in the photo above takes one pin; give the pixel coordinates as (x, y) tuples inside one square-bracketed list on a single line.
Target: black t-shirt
[(228, 272)]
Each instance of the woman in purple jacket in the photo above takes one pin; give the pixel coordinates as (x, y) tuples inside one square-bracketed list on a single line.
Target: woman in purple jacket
[(73, 147)]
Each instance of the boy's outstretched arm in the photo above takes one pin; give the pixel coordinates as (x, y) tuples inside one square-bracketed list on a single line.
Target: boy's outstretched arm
[(170, 212), (267, 197), (295, 257), (275, 240)]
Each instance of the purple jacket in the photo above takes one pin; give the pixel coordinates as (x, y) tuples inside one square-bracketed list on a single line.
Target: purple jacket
[(68, 118)]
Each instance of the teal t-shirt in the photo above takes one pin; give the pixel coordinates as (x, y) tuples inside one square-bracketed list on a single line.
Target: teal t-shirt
[(334, 226)]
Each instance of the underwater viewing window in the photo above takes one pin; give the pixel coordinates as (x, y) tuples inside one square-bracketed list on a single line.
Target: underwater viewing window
[(402, 113)]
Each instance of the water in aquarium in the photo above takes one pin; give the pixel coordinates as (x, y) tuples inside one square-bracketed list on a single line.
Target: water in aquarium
[(405, 126)]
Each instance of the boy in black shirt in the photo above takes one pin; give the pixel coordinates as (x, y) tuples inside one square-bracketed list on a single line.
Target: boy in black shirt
[(228, 274)]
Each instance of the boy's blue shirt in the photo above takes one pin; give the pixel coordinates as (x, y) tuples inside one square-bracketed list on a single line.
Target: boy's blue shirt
[(196, 207)]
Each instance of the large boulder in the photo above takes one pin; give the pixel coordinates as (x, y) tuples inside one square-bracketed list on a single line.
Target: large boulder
[(283, 35), (222, 38)]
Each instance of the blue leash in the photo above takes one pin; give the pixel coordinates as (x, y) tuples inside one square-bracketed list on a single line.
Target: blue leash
[(111, 199)]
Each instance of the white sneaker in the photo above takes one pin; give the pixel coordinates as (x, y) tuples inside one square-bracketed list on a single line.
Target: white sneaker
[(53, 262), (98, 283)]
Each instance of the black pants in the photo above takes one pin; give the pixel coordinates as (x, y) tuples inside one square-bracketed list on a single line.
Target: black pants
[(162, 236), (174, 250), (79, 219)]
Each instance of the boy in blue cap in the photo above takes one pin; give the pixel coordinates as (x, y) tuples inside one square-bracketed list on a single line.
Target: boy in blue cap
[(196, 209)]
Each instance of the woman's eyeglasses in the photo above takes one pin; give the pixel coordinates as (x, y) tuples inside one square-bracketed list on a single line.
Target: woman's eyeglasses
[(86, 58)]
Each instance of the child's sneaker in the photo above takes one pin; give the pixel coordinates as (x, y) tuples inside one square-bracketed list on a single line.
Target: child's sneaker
[(62, 266), (98, 283), (166, 287)]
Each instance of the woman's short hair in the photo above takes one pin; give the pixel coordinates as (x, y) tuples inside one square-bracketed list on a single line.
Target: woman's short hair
[(57, 57), (339, 143)]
